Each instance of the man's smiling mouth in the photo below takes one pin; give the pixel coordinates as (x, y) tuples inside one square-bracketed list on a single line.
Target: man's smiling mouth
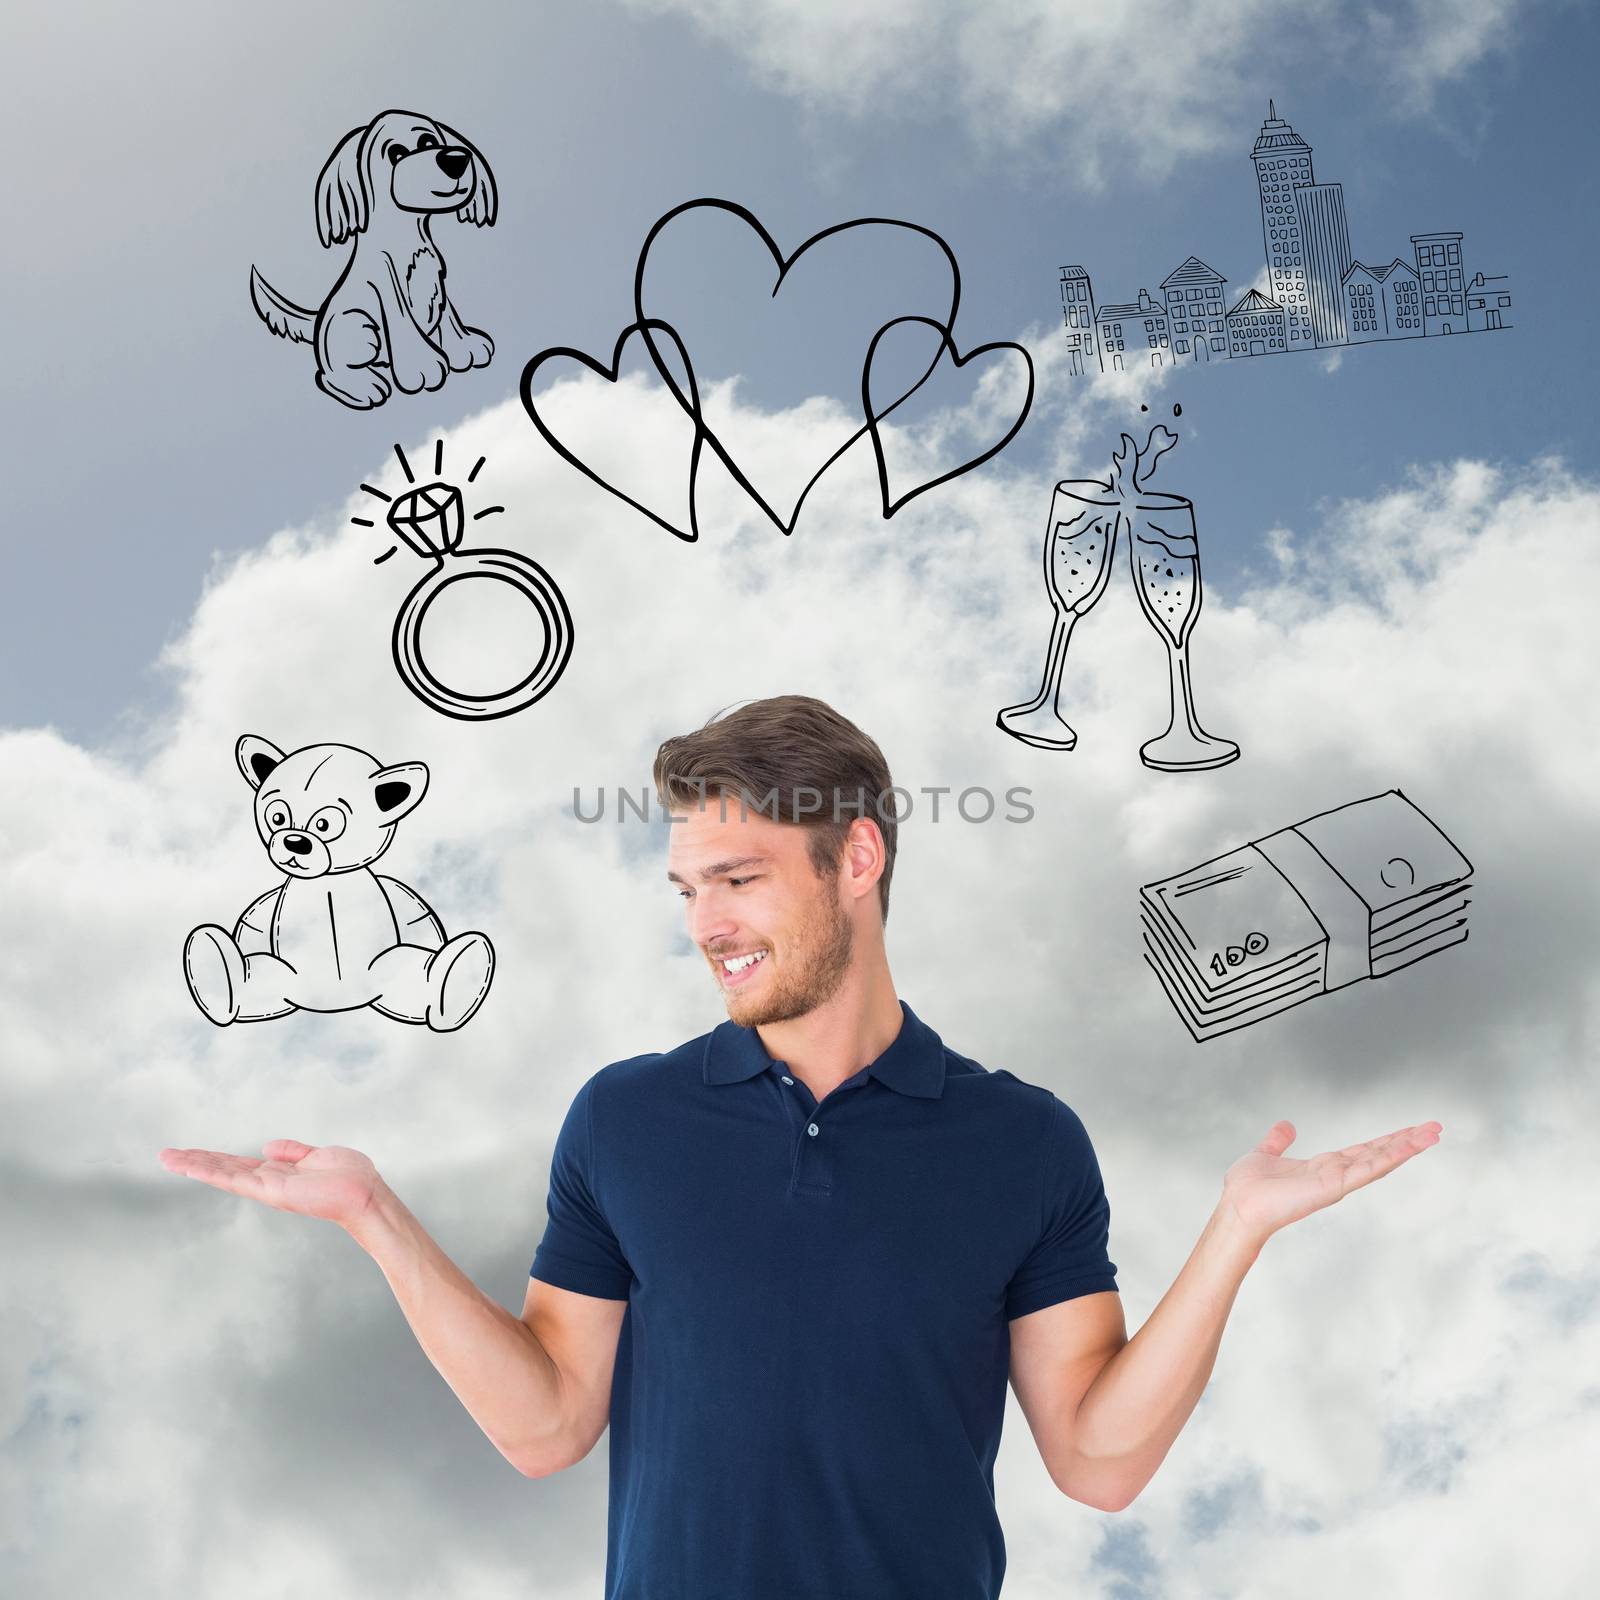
[(735, 969)]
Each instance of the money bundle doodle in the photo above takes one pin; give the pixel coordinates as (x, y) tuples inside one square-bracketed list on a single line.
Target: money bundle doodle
[(1361, 891)]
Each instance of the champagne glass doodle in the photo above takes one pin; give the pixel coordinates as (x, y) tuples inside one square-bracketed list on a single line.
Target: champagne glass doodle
[(1079, 541), (430, 520), (1164, 556)]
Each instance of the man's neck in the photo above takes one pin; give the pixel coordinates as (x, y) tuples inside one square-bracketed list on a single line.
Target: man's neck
[(843, 1035)]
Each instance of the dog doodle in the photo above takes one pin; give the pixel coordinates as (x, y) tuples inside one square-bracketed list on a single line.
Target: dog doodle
[(334, 935), (387, 323)]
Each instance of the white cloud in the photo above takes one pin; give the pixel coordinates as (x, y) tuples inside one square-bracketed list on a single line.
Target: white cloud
[(1176, 78), (1434, 42), (190, 1384)]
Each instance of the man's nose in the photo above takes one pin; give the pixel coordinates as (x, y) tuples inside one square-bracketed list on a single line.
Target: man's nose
[(453, 162), (708, 920), (298, 843)]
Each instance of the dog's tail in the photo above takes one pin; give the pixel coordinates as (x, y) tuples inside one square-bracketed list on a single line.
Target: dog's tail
[(284, 317)]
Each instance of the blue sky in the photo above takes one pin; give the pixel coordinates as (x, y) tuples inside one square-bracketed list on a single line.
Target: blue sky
[(149, 421), (1397, 575)]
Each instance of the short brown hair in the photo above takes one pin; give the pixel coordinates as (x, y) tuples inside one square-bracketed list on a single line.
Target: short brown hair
[(769, 752)]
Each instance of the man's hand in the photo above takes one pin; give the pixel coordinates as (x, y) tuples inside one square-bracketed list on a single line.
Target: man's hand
[(1133, 1409), (497, 1364), (328, 1181), (1267, 1190)]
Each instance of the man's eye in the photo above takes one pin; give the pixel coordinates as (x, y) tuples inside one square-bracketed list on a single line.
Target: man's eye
[(750, 879), (686, 894)]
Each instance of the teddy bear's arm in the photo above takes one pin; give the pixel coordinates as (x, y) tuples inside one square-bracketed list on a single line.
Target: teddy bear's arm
[(413, 916), (253, 931)]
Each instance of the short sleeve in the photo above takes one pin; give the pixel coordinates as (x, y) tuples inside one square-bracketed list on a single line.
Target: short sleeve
[(579, 1251), (1069, 1259)]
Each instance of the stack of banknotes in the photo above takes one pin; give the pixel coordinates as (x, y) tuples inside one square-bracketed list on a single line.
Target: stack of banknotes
[(1357, 892)]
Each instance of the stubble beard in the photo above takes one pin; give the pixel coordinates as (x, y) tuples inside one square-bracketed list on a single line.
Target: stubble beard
[(824, 945)]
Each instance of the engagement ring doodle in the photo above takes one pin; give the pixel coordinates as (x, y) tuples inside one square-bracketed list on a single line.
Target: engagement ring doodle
[(430, 519)]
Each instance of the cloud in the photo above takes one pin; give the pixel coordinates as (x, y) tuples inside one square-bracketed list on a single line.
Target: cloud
[(1435, 42), (197, 1392), (1091, 71)]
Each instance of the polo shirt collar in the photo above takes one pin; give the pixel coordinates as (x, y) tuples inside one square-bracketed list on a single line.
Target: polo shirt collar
[(913, 1064)]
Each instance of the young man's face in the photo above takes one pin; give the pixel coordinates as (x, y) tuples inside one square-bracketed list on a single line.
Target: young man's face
[(750, 890)]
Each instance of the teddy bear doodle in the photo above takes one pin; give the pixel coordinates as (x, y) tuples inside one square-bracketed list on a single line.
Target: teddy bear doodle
[(334, 935)]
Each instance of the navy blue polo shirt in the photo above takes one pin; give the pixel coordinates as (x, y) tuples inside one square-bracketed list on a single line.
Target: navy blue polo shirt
[(811, 1374)]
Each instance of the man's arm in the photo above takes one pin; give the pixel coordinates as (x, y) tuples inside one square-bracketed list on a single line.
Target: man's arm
[(1105, 1409), (538, 1386)]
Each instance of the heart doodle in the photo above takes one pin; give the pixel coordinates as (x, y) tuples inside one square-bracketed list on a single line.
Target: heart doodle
[(689, 402), (785, 265), (875, 416)]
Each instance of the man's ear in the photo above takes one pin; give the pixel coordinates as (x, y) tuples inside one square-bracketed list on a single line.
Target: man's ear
[(256, 759), (397, 790)]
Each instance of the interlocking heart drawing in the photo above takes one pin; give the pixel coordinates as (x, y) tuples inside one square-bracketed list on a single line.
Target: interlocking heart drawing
[(582, 434), (789, 290)]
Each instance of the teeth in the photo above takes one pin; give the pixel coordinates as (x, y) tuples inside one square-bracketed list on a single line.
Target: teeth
[(739, 963)]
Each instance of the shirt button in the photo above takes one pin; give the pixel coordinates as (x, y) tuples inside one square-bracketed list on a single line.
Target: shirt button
[(812, 1129), (788, 1080)]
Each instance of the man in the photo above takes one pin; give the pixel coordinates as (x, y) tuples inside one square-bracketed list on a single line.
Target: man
[(793, 1262)]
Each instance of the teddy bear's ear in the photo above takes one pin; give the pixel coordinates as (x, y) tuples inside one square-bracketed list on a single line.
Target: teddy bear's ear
[(256, 759), (396, 790)]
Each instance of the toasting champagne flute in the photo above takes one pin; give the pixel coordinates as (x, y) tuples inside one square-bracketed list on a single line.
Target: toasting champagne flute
[(1079, 541), (1164, 555)]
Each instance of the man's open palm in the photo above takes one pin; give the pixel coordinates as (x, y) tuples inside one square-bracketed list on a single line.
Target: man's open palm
[(328, 1181), (1269, 1190)]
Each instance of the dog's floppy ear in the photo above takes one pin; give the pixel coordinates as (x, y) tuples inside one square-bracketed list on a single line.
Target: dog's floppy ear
[(344, 200), (256, 759), (483, 204), (397, 790)]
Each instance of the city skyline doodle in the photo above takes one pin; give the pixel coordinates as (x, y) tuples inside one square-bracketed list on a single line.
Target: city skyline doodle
[(1318, 295)]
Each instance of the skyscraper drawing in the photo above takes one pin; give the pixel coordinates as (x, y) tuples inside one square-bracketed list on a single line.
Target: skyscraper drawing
[(1327, 240), (1283, 163)]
